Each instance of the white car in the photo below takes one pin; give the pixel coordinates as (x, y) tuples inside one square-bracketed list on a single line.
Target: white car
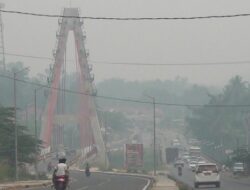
[(207, 174), (201, 162), (192, 165)]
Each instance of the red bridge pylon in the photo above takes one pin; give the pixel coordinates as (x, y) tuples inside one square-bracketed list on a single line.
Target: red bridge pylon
[(89, 128)]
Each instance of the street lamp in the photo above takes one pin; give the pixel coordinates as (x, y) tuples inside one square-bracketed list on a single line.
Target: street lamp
[(15, 118), (153, 99), (104, 125), (36, 136)]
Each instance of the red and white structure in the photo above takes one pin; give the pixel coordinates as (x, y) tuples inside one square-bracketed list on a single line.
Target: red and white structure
[(86, 118)]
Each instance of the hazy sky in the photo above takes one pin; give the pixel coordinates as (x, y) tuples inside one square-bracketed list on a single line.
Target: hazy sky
[(183, 41)]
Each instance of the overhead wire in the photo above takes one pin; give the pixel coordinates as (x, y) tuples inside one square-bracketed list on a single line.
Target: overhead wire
[(132, 18), (127, 18), (129, 99), (172, 64), (239, 62)]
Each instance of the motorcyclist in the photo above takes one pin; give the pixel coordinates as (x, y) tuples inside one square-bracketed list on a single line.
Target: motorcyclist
[(49, 168), (179, 170), (61, 170), (87, 169)]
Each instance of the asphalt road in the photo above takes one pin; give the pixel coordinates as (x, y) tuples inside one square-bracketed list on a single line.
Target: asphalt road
[(103, 182), (227, 182)]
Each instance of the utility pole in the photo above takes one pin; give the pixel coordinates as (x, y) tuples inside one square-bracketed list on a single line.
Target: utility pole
[(105, 140), (15, 123), (153, 99), (154, 139), (2, 48), (247, 123), (15, 126), (36, 136)]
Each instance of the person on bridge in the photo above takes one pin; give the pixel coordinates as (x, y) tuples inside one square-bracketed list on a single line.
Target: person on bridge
[(61, 171)]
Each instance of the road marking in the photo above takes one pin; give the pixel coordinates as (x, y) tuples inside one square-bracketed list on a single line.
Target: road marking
[(107, 181), (82, 188), (147, 186)]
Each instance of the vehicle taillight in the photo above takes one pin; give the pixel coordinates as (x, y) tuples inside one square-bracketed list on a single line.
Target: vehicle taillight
[(61, 179)]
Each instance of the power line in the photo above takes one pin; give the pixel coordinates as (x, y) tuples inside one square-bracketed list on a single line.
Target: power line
[(240, 62), (29, 56), (172, 64), (128, 18), (132, 100)]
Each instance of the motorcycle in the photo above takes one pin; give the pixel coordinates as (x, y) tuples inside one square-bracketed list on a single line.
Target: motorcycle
[(87, 173), (60, 183)]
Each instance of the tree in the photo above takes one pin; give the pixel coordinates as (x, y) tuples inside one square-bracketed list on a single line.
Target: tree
[(223, 125), (28, 146)]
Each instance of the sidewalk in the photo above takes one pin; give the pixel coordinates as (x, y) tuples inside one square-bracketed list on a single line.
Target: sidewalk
[(163, 183), (24, 184)]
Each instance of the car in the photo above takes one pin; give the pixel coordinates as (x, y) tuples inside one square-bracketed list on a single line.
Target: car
[(207, 174), (192, 165), (178, 163), (201, 162), (185, 157), (238, 168)]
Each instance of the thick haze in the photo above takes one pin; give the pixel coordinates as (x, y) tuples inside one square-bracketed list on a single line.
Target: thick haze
[(214, 40)]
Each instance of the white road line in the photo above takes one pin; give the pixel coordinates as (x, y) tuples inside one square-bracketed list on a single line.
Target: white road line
[(107, 181), (82, 188), (146, 187)]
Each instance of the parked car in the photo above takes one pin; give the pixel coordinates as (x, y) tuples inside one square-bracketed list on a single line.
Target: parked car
[(207, 174)]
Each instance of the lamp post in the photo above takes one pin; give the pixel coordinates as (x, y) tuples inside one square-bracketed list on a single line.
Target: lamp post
[(36, 136), (104, 125), (153, 99), (15, 122)]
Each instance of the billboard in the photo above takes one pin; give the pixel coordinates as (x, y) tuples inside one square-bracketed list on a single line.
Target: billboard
[(133, 156)]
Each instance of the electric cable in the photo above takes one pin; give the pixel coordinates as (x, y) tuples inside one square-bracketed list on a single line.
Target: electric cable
[(128, 18), (132, 100), (239, 62)]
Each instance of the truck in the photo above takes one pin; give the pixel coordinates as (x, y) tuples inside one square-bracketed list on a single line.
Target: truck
[(133, 157), (195, 151), (172, 153), (238, 168)]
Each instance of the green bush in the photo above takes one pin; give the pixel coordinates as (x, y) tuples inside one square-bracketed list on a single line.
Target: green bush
[(6, 172)]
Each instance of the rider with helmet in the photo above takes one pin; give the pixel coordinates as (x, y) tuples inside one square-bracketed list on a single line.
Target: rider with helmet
[(87, 169), (61, 171)]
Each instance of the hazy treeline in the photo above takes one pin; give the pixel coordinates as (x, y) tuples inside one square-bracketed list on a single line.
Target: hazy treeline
[(178, 91), (224, 125)]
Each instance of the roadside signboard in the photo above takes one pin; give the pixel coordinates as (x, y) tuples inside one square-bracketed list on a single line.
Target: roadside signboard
[(133, 156)]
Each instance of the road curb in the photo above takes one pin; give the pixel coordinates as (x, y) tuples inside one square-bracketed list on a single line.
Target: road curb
[(179, 183), (24, 186)]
